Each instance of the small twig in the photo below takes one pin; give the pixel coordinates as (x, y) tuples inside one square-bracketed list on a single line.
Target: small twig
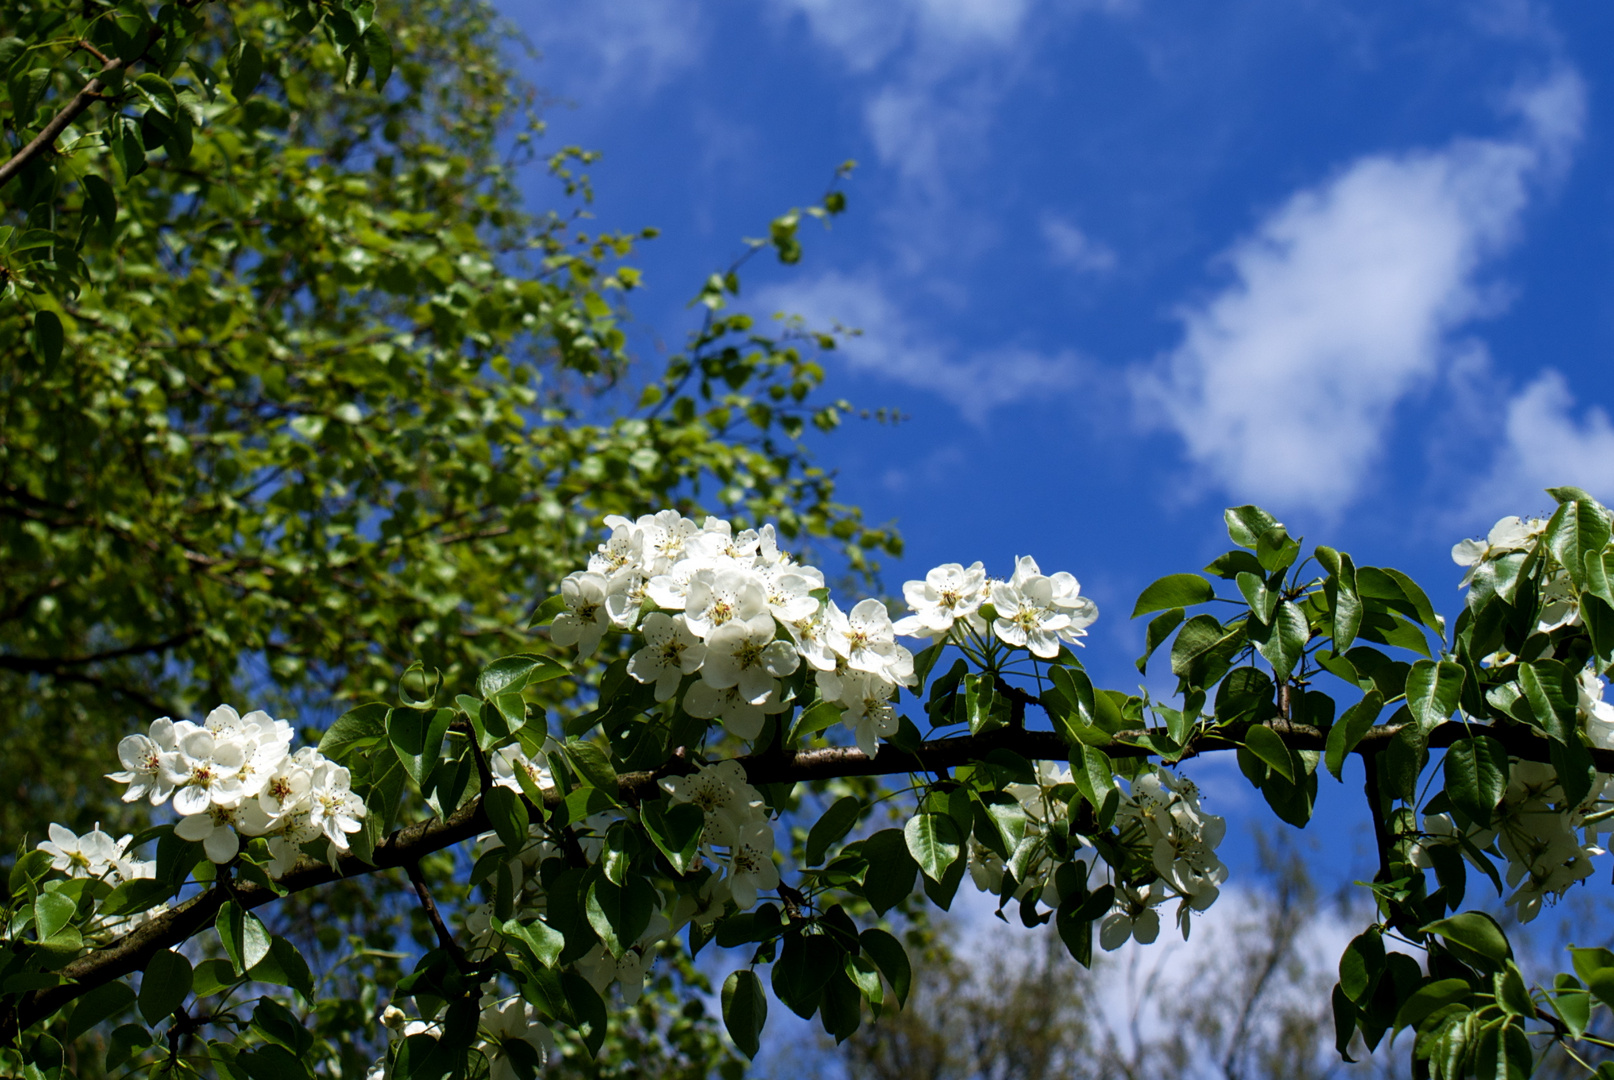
[(445, 938)]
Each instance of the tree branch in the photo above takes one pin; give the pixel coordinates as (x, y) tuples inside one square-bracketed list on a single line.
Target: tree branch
[(51, 131), (134, 950)]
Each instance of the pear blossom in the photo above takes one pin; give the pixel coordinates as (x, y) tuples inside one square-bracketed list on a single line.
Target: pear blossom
[(865, 637), (1026, 614), (671, 651), (723, 794), (741, 718), (90, 855), (868, 709), (585, 619), (742, 653), (949, 593), (1509, 534), (717, 597), (334, 809), (507, 1022), (750, 864), (206, 771), (142, 756), (505, 762), (213, 828)]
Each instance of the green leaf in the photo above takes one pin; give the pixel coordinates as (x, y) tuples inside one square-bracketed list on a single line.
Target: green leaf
[(1347, 604), (1094, 774), (745, 1010), (165, 985), (806, 963), (1348, 730), (1245, 524), (1578, 529), (245, 65), (542, 940), (1174, 591), (1476, 777), (620, 914), (891, 958), (1474, 934), (1572, 1003), (507, 813), (211, 976), (981, 705), (47, 336), (284, 966), (52, 912), (1283, 641), (1433, 691), (1545, 700), (892, 870), (380, 51), (1261, 601), (244, 938), (417, 738), (593, 764), (1269, 746), (1160, 628), (934, 842), (357, 729), (675, 830), (104, 1001), (822, 715), (836, 823), (512, 673), (1361, 964), (158, 93), (1435, 995)]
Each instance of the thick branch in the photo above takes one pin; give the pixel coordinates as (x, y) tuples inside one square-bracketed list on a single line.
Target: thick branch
[(48, 135), (403, 848)]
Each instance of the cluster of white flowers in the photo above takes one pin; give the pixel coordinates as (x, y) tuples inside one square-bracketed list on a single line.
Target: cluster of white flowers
[(1161, 810), (738, 837), (733, 608), (1034, 611), (234, 776), (1548, 843), (504, 1020)]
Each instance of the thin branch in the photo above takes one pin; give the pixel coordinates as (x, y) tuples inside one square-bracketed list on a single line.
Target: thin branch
[(49, 133), (50, 664), (445, 937)]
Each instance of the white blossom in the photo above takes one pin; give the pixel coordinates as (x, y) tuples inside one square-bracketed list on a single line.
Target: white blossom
[(949, 593), (89, 855), (742, 653), (671, 651), (142, 756), (585, 619)]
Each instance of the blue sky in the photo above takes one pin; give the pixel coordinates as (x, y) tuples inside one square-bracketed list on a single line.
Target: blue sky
[(1123, 264)]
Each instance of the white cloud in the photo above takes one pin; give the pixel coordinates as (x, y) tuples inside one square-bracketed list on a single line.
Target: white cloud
[(1070, 246), (626, 46), (894, 346), (864, 34), (1545, 446), (1342, 302)]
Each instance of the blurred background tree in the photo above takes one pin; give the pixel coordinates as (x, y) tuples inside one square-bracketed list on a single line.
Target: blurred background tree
[(296, 390)]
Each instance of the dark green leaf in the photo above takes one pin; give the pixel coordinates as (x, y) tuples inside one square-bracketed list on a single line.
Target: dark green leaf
[(1269, 746), (245, 65), (1174, 591), (620, 914), (380, 51), (891, 872), (1283, 641), (96, 1005), (1436, 995), (1475, 934), (52, 912), (507, 813), (1578, 528), (1261, 601), (836, 823), (284, 966), (1160, 628), (357, 729), (1433, 691), (675, 830), (47, 336), (892, 959), (1348, 730), (593, 764), (512, 673), (745, 1010), (165, 985), (1476, 776)]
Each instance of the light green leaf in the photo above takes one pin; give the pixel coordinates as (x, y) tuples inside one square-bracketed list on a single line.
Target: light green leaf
[(244, 938), (1433, 691), (1245, 524), (934, 842), (1269, 746)]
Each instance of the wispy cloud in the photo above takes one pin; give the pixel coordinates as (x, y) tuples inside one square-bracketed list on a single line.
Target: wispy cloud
[(895, 346), (1342, 303), (1546, 446), (626, 46), (1070, 246)]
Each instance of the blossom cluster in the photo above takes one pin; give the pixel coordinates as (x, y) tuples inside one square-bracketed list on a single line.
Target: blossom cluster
[(503, 1021), (1161, 811), (233, 776), (1547, 841), (737, 839), (731, 607)]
